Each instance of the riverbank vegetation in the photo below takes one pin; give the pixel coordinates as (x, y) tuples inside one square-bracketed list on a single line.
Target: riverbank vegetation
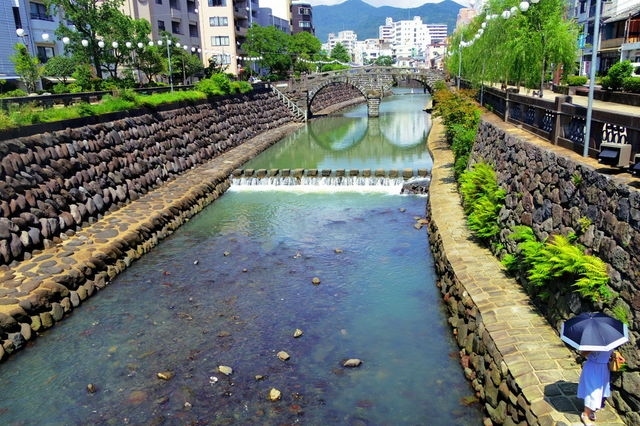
[(556, 263), (121, 100)]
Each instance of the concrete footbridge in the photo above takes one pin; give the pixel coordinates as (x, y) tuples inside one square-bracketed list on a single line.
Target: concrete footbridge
[(372, 82)]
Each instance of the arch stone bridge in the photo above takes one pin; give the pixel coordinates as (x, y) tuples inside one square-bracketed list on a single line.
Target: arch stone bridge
[(373, 82)]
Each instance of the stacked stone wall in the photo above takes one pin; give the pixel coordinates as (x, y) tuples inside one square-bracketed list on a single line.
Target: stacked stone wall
[(552, 194), (336, 94), (52, 183)]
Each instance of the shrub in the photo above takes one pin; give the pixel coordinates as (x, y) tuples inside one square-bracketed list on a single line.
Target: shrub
[(618, 72), (216, 85), (577, 80), (482, 199), (241, 87), (16, 93), (631, 84), (59, 88)]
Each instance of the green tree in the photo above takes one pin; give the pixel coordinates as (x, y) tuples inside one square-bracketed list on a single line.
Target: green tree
[(305, 48), (94, 21), (60, 67), (148, 60), (27, 67), (188, 65), (523, 48), (384, 61), (340, 53), (272, 46)]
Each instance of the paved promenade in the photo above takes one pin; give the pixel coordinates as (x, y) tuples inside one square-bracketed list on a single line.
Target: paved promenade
[(544, 367)]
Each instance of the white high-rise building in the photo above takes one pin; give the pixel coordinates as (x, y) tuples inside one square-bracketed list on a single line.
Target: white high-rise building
[(409, 39), (347, 38)]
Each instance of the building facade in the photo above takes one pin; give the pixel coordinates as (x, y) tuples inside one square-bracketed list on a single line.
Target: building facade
[(29, 23), (412, 41), (619, 33), (302, 18)]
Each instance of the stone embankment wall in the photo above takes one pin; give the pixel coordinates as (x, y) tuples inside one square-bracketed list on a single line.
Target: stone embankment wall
[(554, 194), (54, 184), (338, 94)]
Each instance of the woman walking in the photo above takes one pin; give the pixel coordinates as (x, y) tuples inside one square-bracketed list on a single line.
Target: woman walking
[(594, 386)]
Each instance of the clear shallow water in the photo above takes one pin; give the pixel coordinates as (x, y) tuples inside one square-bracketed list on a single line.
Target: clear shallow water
[(229, 288), (395, 140)]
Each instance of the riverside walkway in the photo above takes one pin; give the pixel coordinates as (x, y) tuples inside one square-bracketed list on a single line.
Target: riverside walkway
[(544, 367)]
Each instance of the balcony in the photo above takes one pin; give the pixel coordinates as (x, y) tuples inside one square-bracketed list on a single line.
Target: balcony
[(611, 43)]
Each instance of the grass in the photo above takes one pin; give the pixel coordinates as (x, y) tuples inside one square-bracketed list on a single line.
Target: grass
[(124, 100)]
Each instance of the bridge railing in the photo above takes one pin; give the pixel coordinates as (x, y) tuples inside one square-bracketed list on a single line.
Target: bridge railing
[(563, 123)]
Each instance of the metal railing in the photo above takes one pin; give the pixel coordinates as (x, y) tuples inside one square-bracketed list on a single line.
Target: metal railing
[(562, 122), (298, 112)]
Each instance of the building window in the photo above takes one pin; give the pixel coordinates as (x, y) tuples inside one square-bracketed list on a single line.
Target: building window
[(175, 27), (304, 11), (158, 1), (44, 53), (222, 59), (173, 4), (216, 3), (161, 26), (220, 41), (16, 17), (39, 11), (218, 21), (304, 24), (193, 31)]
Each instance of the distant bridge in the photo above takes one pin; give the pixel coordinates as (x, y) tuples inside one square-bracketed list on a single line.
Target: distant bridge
[(373, 82)]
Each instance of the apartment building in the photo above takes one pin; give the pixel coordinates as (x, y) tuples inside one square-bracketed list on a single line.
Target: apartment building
[(619, 33), (27, 22), (301, 17), (347, 38), (410, 39)]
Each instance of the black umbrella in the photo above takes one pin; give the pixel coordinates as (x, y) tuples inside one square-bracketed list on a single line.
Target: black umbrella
[(594, 331)]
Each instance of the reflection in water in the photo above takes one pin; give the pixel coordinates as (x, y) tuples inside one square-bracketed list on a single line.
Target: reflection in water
[(339, 133), (395, 140)]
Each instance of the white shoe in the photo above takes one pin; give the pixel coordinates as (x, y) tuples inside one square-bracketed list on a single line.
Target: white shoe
[(586, 420)]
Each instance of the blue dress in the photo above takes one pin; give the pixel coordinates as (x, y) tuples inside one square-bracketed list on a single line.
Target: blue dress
[(594, 380)]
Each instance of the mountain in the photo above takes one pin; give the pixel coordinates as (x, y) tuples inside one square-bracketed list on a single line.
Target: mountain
[(365, 19)]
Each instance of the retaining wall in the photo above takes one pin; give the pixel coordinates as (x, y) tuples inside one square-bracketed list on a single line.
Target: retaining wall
[(52, 185), (553, 194)]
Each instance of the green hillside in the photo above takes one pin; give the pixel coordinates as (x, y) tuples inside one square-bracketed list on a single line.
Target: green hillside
[(365, 19)]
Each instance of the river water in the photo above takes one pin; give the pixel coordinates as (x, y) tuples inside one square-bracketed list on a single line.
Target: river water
[(230, 288)]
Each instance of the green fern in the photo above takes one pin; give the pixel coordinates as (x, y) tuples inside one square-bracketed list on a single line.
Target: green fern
[(560, 259)]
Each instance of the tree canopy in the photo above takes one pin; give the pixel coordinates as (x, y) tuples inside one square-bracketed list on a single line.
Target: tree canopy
[(27, 67), (522, 48), (280, 52)]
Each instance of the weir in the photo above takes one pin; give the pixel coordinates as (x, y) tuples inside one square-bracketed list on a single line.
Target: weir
[(398, 181), (301, 174)]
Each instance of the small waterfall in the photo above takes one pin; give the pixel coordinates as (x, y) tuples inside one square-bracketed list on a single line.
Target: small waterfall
[(385, 184)]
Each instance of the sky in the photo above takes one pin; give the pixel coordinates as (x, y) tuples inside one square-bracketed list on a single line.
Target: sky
[(279, 7)]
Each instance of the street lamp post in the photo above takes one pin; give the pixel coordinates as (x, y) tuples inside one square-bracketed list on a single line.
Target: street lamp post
[(459, 63), (592, 78), (168, 60)]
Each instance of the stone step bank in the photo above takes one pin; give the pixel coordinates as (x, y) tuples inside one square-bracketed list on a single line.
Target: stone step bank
[(77, 205)]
